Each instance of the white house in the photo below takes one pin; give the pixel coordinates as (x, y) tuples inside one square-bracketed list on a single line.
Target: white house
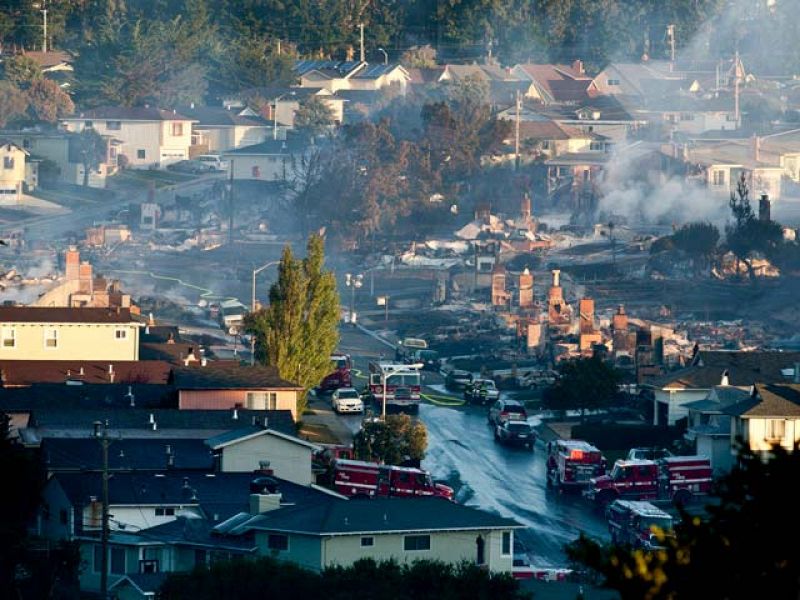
[(217, 128), (270, 161), (349, 75), (769, 416), (151, 137), (12, 171)]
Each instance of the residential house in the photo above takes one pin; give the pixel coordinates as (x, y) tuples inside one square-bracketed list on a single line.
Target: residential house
[(555, 84), (340, 532), (709, 427), (12, 171), (40, 333), (151, 137), (638, 82), (673, 391), (52, 61), (786, 146), (64, 151), (487, 73), (283, 103), (572, 179), (769, 416), (246, 450), (546, 138), (26, 373), (691, 114), (273, 161), (350, 75), (604, 115), (232, 386), (216, 129)]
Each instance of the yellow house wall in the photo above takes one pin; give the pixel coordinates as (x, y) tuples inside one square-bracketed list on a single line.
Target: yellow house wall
[(76, 341), (757, 430)]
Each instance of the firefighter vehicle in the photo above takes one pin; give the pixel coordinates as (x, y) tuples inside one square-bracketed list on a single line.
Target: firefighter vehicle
[(633, 523), (341, 376), (391, 377), (573, 463), (361, 478), (675, 478)]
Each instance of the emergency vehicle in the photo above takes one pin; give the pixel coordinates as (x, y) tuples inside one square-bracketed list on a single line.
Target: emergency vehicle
[(632, 523), (397, 376), (675, 478), (361, 478), (341, 376), (573, 463)]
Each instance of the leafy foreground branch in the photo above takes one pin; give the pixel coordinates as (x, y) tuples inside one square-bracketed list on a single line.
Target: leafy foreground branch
[(747, 548), (365, 579)]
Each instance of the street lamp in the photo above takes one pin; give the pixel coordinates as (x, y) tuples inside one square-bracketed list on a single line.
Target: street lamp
[(253, 308), (385, 56), (353, 282), (388, 371)]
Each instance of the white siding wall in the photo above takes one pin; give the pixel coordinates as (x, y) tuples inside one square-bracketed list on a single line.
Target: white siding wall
[(288, 460)]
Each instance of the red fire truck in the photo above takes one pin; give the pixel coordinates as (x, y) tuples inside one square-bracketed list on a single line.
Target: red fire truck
[(402, 384), (341, 376), (573, 463), (360, 478), (676, 478)]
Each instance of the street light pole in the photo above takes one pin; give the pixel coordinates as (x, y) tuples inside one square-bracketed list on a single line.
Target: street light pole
[(253, 308), (385, 56), (101, 432), (353, 282)]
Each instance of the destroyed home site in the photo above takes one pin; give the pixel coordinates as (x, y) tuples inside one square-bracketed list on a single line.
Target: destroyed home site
[(475, 296)]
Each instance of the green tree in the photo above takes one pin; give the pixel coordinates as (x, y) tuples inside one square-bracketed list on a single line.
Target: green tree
[(92, 149), (723, 556), (13, 103), (419, 56), (21, 70), (298, 330), (253, 62), (584, 384), (699, 241), (392, 442), (47, 101), (313, 115)]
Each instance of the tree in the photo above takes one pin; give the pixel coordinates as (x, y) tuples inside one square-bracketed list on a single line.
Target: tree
[(21, 70), (423, 57), (13, 103), (253, 62), (394, 441), (723, 556), (47, 101), (585, 383), (313, 115), (92, 149), (699, 241), (298, 330)]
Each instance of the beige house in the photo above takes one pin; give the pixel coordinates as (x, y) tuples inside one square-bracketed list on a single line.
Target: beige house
[(151, 137), (234, 387), (12, 171), (244, 451), (218, 128), (44, 333), (769, 417), (340, 532), (275, 161)]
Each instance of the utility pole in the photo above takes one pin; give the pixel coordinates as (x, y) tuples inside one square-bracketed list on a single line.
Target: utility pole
[(516, 131), (736, 88), (361, 27), (671, 35), (44, 36), (230, 208), (101, 432), (279, 47)]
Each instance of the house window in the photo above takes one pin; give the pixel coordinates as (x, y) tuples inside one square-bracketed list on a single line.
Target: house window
[(148, 566), (9, 337), (278, 542), (774, 430), (506, 551), (256, 171), (118, 561), (177, 129), (140, 154), (687, 117), (367, 542), (114, 125), (414, 543), (256, 400), (121, 334), (51, 338), (272, 403), (8, 162), (719, 177), (595, 145), (545, 144), (62, 516), (613, 82), (165, 512)]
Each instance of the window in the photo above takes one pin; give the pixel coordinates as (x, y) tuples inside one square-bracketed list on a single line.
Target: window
[(8, 162), (413, 543), (51, 338), (545, 144), (177, 129), (88, 124), (256, 400), (26, 143), (719, 177), (118, 561), (278, 542), (506, 543), (121, 334), (256, 172), (774, 429), (140, 154), (595, 145), (367, 542), (148, 566), (165, 512), (9, 337), (613, 82), (273, 401), (687, 117), (113, 125), (62, 516)]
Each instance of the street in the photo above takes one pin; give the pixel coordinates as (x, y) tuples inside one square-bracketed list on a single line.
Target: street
[(506, 481)]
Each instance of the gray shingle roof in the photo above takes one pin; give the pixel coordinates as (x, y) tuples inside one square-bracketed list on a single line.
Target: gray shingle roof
[(129, 113), (776, 401), (230, 376), (744, 369), (218, 116), (36, 314)]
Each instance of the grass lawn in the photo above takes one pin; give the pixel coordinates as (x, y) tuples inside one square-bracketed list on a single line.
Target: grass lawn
[(159, 178)]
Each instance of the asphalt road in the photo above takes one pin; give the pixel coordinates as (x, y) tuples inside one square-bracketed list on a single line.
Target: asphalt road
[(506, 481)]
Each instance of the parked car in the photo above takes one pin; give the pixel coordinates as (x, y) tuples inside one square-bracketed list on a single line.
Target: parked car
[(506, 410), (457, 380), (190, 166), (515, 433), (347, 400), (213, 160), (481, 391)]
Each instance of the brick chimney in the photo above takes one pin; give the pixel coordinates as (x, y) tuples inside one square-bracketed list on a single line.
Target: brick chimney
[(586, 315), (526, 289), (525, 207), (577, 66), (73, 260)]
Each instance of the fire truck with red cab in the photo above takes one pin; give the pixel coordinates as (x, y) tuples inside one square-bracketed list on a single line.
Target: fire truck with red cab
[(401, 382), (573, 463), (341, 376), (675, 478), (361, 478)]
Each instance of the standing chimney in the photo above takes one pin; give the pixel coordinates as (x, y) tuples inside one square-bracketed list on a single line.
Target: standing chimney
[(764, 212), (525, 289), (525, 207), (756, 148), (556, 277)]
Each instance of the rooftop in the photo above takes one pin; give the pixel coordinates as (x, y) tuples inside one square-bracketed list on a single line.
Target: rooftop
[(36, 314), (218, 116), (230, 376), (129, 113), (27, 372), (769, 401), (743, 369)]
